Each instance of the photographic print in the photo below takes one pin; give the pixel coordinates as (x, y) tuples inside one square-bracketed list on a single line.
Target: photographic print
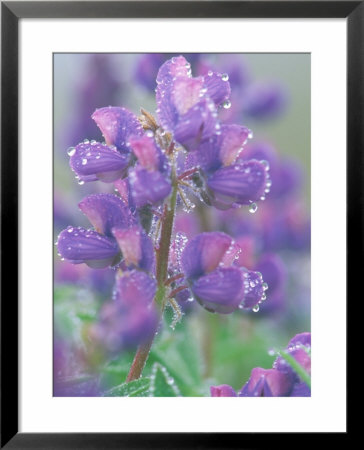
[(181, 225)]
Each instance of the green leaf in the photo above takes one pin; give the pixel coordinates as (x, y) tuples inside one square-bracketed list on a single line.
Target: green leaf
[(136, 388), (162, 384), (296, 366)]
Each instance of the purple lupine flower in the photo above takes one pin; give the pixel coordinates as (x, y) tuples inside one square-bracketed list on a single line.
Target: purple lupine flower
[(130, 318), (228, 180), (149, 181), (285, 173), (216, 284), (97, 248), (137, 248), (223, 390), (106, 161), (267, 383), (186, 105)]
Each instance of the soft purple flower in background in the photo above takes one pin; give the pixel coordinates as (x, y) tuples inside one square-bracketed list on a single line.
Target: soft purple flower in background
[(281, 380), (267, 383), (130, 318), (102, 87), (223, 390)]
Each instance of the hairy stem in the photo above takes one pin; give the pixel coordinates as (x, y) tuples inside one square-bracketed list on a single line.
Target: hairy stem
[(142, 353)]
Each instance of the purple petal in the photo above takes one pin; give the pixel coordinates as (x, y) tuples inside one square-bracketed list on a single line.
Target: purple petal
[(148, 154), (243, 183), (253, 288), (135, 287), (219, 291), (273, 270), (267, 383), (148, 187), (263, 100), (132, 317), (79, 245), (300, 390), (137, 248), (98, 161), (217, 87), (106, 211), (231, 142), (197, 125), (204, 253), (186, 93), (300, 339), (117, 125), (147, 68), (223, 390), (168, 73)]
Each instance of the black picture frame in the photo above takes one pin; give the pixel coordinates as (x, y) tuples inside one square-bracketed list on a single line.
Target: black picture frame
[(11, 12)]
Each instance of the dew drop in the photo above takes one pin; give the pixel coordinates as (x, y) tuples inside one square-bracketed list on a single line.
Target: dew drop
[(84, 161), (255, 308), (225, 77), (81, 182), (71, 151), (253, 207), (227, 104)]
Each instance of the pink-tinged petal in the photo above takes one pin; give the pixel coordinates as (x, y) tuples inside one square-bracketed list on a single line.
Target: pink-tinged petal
[(223, 390), (93, 160), (267, 383), (220, 290), (106, 211), (79, 245), (217, 87), (232, 141), (137, 248), (197, 125), (148, 187), (122, 187), (186, 93), (117, 125), (243, 183), (204, 253), (167, 74), (146, 151), (231, 255)]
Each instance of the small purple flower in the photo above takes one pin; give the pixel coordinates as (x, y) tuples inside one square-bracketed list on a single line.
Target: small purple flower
[(130, 318), (79, 245), (97, 248), (223, 390), (216, 284), (267, 383), (241, 184), (137, 248), (186, 105), (108, 161), (149, 181)]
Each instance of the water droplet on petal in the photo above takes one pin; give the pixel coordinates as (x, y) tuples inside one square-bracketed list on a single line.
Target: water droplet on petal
[(253, 207)]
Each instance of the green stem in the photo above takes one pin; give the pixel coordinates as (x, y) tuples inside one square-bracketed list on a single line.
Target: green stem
[(143, 350)]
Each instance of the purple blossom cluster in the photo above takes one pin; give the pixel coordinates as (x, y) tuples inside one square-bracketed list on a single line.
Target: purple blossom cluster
[(154, 164), (146, 158), (280, 381)]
